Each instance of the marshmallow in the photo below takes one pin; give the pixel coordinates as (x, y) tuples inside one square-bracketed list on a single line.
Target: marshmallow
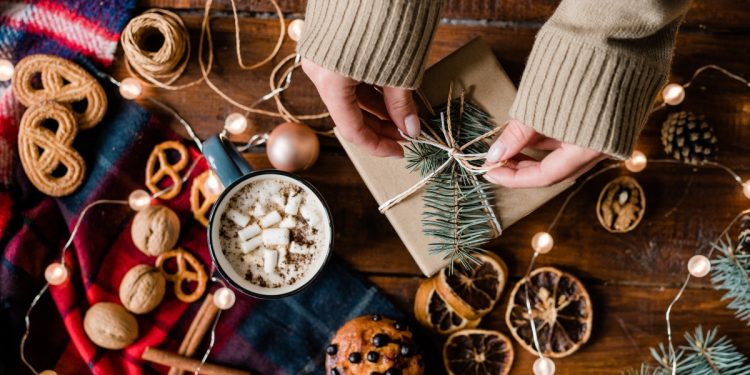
[(296, 248), (238, 217), (278, 199), (249, 232), (270, 219), (251, 245), (292, 206), (309, 214), (276, 237), (270, 258), (259, 211), (288, 222)]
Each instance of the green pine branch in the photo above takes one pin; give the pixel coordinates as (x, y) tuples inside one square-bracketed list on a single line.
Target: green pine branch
[(456, 206), (704, 354), (730, 272)]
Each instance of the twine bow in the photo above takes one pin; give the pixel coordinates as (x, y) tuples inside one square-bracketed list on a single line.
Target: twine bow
[(455, 153)]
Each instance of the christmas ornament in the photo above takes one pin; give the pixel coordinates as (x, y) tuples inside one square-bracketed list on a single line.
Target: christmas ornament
[(142, 289), (561, 308), (473, 291), (688, 138), (621, 205), (292, 147), (110, 326), (477, 351), (433, 312)]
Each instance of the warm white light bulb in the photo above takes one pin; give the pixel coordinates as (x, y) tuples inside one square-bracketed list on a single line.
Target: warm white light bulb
[(213, 185), (130, 88), (699, 266), (56, 274), (746, 189), (139, 199), (6, 70), (637, 162), (48, 372), (544, 366), (295, 29), (542, 242), (235, 123), (224, 298), (673, 94)]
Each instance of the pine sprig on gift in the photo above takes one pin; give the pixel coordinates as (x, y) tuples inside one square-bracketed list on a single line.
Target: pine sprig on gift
[(456, 204), (730, 272), (705, 354)]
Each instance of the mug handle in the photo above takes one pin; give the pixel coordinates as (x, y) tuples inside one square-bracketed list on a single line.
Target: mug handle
[(224, 159)]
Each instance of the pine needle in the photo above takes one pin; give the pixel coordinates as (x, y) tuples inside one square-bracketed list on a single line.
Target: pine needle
[(456, 207), (730, 272)]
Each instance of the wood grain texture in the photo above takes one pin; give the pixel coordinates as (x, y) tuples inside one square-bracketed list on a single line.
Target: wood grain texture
[(632, 277), (709, 15)]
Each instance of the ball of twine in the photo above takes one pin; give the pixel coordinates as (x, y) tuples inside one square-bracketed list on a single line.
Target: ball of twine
[(156, 45)]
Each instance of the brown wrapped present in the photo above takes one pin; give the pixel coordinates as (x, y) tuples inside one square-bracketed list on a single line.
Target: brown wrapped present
[(474, 69)]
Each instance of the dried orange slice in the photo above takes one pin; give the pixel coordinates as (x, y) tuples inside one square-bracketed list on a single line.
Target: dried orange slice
[(561, 309), (478, 352), (473, 292), (432, 311)]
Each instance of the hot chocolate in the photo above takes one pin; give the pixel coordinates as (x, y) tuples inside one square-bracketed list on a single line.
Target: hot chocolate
[(274, 232)]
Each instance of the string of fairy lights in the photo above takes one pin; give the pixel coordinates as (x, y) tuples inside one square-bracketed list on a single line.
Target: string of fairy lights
[(698, 266), (236, 123)]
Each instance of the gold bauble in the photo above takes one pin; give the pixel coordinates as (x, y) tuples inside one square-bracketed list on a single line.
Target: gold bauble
[(292, 147)]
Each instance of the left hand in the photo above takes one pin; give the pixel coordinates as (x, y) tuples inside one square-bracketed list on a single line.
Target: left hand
[(565, 161)]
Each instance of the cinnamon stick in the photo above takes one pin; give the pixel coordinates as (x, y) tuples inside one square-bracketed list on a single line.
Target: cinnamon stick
[(187, 364), (197, 331)]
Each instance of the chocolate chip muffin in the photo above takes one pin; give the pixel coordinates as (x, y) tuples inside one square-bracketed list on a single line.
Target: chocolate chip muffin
[(373, 345)]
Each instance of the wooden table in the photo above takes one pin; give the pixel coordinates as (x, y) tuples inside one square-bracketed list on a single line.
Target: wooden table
[(631, 277)]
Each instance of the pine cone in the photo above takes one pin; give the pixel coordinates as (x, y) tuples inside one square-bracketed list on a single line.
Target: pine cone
[(688, 138)]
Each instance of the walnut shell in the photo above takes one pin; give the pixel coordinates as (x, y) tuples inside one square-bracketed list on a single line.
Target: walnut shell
[(110, 326), (155, 230), (621, 205), (142, 289)]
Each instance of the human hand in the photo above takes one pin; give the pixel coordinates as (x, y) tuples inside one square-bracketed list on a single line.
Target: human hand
[(566, 161), (362, 115)]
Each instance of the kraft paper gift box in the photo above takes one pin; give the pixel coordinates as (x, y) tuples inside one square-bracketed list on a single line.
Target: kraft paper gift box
[(474, 69)]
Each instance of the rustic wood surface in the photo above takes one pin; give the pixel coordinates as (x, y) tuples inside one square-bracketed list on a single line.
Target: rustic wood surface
[(631, 277)]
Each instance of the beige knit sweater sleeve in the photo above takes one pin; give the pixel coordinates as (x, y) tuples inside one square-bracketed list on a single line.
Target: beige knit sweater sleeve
[(590, 79)]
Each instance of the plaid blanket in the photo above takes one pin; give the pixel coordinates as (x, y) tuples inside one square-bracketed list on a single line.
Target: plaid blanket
[(266, 337)]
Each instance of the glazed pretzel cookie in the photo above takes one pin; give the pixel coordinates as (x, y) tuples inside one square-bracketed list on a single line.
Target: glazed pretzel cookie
[(194, 272), (201, 199), (47, 156), (159, 158), (62, 81)]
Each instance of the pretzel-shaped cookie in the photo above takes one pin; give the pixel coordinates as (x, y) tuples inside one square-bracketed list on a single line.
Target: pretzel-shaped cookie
[(47, 156), (63, 82), (159, 154), (201, 199), (183, 274)]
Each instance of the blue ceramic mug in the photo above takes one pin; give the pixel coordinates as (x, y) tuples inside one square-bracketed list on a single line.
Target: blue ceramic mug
[(235, 173)]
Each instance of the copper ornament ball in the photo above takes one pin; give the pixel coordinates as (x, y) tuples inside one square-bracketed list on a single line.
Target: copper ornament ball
[(292, 147)]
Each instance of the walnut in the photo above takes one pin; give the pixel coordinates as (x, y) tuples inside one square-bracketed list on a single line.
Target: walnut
[(621, 205), (155, 230), (142, 289), (110, 326)]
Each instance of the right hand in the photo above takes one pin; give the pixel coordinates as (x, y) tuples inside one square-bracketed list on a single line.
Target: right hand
[(362, 115)]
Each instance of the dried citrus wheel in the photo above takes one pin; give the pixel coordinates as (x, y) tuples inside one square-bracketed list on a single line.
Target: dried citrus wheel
[(477, 352), (473, 291), (561, 309), (432, 311)]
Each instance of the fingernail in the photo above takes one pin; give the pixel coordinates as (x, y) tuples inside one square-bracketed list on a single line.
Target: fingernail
[(412, 126), (491, 179), (495, 153)]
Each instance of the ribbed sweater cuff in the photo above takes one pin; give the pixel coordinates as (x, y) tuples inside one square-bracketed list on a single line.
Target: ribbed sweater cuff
[(579, 93), (380, 42)]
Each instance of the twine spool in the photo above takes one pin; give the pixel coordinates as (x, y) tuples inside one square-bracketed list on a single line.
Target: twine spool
[(156, 45)]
